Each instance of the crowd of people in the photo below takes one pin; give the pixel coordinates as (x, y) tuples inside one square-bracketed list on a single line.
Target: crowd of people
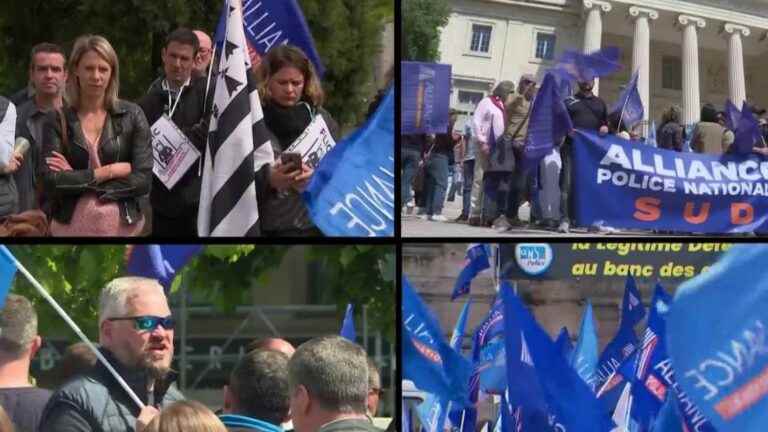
[(77, 160), (327, 384), (483, 162)]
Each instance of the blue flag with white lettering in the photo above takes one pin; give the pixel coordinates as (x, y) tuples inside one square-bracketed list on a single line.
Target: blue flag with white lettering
[(629, 106), (669, 419), (352, 192), (549, 122), (721, 358), (428, 360), (269, 23), (477, 260), (425, 93), (632, 309), (161, 262), (567, 397), (584, 356), (7, 272), (488, 351)]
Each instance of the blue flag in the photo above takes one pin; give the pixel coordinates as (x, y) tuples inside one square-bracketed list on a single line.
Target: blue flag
[(161, 262), (425, 92), (629, 106), (488, 352), (721, 360), (651, 139), (7, 272), (348, 325), (567, 397), (732, 115), (477, 260), (563, 342), (428, 360), (584, 356), (549, 122), (352, 192), (586, 67), (632, 309), (747, 132), (669, 419), (458, 331), (269, 23)]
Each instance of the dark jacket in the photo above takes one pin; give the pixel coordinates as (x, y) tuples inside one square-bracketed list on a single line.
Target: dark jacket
[(9, 196), (190, 116), (587, 111), (285, 212), (350, 425), (125, 139), (670, 136), (96, 402), (24, 406), (29, 124)]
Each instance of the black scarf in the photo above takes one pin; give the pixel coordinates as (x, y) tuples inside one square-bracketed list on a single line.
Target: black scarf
[(287, 123)]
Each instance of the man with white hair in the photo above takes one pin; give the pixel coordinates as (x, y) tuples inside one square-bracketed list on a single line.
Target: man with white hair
[(136, 335)]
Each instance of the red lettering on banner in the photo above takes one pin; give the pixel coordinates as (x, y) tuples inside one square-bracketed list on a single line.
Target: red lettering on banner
[(699, 218), (647, 209), (742, 213), (743, 398)]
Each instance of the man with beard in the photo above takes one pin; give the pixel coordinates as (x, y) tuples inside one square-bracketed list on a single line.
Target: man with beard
[(136, 335), (589, 112)]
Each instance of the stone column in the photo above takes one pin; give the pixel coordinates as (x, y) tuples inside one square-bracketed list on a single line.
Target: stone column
[(593, 30), (737, 90), (690, 60), (641, 53)]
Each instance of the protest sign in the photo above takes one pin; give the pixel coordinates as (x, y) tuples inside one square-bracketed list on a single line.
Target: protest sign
[(172, 151), (425, 93), (313, 143)]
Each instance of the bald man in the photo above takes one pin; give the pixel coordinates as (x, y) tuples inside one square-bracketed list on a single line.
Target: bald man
[(203, 58), (273, 344)]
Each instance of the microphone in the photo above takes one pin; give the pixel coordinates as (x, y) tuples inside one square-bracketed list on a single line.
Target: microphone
[(21, 146)]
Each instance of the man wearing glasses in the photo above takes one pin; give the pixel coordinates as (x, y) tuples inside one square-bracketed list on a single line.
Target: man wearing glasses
[(136, 336)]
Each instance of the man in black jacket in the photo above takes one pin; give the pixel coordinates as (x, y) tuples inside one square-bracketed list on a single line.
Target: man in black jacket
[(182, 99), (136, 335)]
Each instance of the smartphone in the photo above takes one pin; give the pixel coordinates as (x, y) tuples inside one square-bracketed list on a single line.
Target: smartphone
[(291, 159)]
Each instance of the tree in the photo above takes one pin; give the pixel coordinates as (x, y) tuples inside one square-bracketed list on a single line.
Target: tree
[(422, 20), (75, 274), (346, 33)]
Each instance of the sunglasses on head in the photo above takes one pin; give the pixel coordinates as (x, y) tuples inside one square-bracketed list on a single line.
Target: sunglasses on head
[(149, 322)]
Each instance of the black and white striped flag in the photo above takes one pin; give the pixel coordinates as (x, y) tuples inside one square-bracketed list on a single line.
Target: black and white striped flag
[(238, 142)]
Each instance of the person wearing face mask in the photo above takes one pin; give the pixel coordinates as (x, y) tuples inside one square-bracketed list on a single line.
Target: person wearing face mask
[(181, 98), (291, 97), (136, 336), (588, 112)]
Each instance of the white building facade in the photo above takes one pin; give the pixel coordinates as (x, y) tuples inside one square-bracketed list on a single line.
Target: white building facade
[(687, 52)]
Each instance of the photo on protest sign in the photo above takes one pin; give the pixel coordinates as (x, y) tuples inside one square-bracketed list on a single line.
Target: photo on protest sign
[(534, 345), (191, 320)]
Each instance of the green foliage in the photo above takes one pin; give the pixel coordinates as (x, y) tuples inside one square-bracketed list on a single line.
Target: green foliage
[(346, 32), (421, 24), (222, 275)]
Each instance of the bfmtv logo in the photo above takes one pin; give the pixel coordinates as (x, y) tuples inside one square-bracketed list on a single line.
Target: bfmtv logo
[(533, 258)]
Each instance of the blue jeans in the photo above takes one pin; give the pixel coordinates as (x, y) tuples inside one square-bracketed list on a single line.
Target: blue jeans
[(452, 183), (466, 194), (409, 163), (436, 183)]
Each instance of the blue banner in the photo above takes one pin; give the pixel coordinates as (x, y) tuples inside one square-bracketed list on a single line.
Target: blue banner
[(161, 262), (549, 123), (7, 272), (425, 97), (488, 351), (269, 23), (477, 260), (428, 359), (352, 192), (348, 325), (721, 357), (637, 186), (629, 106), (584, 356)]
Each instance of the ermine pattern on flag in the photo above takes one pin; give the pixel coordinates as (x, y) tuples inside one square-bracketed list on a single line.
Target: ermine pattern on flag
[(238, 142)]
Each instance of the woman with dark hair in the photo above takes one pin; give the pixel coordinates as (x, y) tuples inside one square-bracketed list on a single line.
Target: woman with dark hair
[(98, 159), (292, 98), (709, 136), (670, 134)]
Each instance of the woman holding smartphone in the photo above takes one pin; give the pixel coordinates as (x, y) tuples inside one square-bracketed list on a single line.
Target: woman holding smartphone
[(291, 97)]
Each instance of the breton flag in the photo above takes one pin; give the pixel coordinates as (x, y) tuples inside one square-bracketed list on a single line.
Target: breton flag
[(238, 143)]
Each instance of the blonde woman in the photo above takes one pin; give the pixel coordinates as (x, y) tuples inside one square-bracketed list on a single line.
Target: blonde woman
[(98, 159), (292, 97), (185, 416)]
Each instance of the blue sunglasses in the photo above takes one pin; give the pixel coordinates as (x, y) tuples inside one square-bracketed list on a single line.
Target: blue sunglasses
[(149, 322)]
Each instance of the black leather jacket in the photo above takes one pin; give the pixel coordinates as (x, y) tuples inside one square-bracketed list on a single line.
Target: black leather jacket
[(125, 139)]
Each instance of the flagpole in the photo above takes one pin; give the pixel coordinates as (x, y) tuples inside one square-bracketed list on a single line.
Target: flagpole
[(77, 330), (210, 72), (463, 413), (618, 127)]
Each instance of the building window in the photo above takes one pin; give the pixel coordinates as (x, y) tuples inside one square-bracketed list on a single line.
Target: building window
[(470, 97), (671, 73), (481, 38), (545, 46)]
